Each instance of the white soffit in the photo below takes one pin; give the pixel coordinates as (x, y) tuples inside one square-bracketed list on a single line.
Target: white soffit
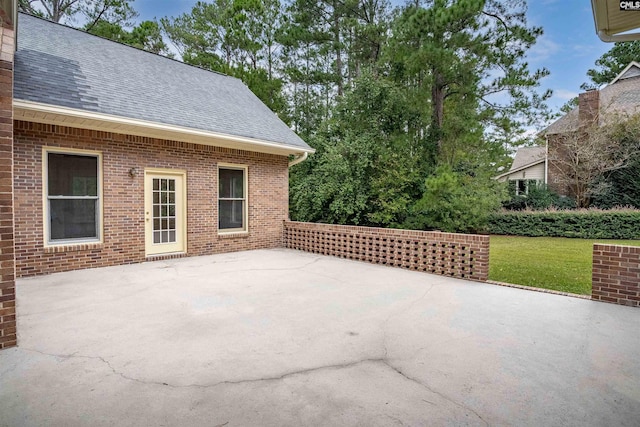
[(62, 116), (616, 20)]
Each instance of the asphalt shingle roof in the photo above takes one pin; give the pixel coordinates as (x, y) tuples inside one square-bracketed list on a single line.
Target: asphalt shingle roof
[(620, 97), (62, 66), (528, 155)]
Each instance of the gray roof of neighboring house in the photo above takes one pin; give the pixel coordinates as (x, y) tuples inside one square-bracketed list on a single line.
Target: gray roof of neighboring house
[(622, 96), (526, 156), (62, 66)]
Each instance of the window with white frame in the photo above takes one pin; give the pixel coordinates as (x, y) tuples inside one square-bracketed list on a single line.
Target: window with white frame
[(232, 198), (521, 187), (72, 189)]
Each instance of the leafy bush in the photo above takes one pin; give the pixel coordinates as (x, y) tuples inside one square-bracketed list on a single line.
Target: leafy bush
[(455, 202), (620, 188), (539, 198), (584, 224)]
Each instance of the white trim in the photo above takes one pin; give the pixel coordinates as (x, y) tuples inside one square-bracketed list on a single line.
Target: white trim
[(299, 159), (47, 242), (612, 24), (520, 168), (245, 210), (181, 244), (627, 68), (627, 37), (64, 116)]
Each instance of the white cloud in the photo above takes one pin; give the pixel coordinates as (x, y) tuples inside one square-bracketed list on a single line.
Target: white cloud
[(543, 50), (564, 94)]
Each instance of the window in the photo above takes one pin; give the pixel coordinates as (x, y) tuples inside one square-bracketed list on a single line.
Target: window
[(521, 187), (232, 198), (72, 190)]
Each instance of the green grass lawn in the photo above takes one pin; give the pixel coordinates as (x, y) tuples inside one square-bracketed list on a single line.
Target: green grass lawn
[(554, 263)]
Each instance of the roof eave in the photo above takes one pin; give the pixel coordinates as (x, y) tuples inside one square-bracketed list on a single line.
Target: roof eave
[(537, 162), (65, 116), (612, 23)]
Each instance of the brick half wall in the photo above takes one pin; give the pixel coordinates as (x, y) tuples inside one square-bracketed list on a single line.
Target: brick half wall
[(465, 256), (616, 274)]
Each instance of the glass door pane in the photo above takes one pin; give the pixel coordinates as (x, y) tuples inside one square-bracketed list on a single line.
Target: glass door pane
[(164, 210)]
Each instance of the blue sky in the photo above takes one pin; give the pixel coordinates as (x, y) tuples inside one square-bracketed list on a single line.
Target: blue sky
[(568, 48)]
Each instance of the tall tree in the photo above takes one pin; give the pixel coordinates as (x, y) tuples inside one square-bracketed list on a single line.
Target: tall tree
[(146, 36), (86, 13), (236, 37), (609, 65), (468, 58), (365, 168), (327, 45)]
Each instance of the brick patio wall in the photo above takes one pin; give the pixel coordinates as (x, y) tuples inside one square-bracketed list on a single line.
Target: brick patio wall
[(465, 256), (8, 335), (123, 197), (616, 274)]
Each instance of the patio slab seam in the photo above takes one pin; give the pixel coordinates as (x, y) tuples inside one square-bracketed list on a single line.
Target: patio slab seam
[(542, 290)]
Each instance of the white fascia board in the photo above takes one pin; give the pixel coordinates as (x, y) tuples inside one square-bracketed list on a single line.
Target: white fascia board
[(519, 169), (65, 116)]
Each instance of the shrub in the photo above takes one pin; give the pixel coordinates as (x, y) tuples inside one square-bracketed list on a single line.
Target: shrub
[(455, 202), (539, 198), (584, 224)]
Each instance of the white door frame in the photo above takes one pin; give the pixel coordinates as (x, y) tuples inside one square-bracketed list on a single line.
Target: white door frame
[(158, 216)]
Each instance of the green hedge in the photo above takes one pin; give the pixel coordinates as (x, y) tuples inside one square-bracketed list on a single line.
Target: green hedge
[(583, 224)]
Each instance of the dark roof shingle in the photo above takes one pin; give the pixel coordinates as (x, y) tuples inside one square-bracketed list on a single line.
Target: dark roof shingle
[(62, 66)]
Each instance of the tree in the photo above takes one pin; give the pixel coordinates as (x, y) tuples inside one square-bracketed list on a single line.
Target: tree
[(612, 63), (89, 12), (235, 37), (146, 36), (457, 202), (365, 168), (468, 58), (579, 160)]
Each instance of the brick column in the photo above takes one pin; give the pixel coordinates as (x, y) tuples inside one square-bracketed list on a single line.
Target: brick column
[(616, 274), (8, 335)]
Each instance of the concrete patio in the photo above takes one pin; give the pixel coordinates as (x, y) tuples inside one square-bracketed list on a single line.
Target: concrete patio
[(280, 337)]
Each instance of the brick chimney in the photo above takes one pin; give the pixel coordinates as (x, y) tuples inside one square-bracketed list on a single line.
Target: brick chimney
[(588, 106), (8, 333)]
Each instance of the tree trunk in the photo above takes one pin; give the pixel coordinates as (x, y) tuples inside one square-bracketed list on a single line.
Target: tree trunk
[(336, 42), (437, 105)]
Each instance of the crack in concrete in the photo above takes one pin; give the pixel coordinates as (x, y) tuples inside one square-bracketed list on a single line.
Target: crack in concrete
[(195, 385), (379, 360), (431, 390), (385, 360), (338, 366), (397, 313)]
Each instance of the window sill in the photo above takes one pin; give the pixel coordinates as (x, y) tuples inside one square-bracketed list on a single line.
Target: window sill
[(73, 247), (233, 234)]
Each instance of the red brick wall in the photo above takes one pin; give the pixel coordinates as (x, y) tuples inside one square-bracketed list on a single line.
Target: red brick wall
[(124, 197), (616, 274), (464, 256), (8, 336)]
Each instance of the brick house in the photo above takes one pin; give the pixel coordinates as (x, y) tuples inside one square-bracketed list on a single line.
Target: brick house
[(112, 155), (533, 165), (595, 107)]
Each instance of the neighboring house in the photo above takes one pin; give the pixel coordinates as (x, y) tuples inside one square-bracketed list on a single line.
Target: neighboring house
[(529, 169), (122, 156), (621, 96)]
